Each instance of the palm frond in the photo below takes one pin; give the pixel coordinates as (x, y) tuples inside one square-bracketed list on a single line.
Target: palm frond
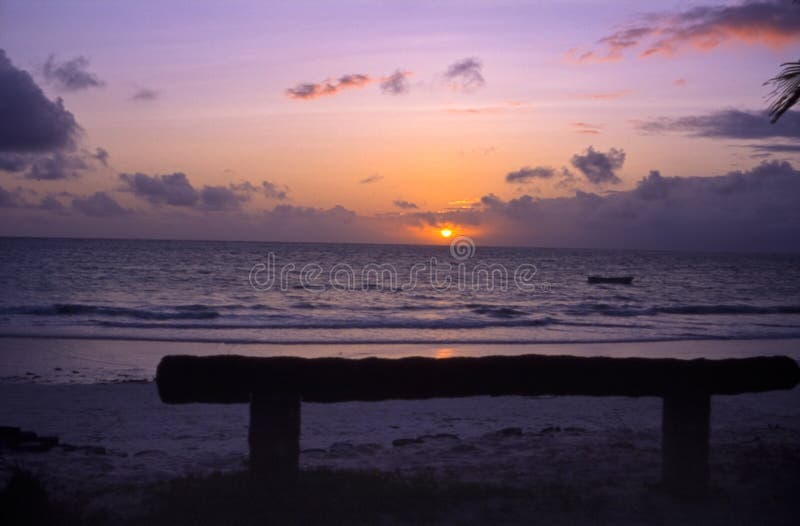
[(786, 92)]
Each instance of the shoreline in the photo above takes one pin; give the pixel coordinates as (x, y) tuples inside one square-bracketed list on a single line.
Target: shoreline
[(67, 360)]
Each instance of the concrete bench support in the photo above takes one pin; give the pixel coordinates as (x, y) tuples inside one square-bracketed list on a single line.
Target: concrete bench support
[(685, 442), (274, 435)]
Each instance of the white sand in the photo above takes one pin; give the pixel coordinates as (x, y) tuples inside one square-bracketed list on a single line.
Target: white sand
[(613, 441)]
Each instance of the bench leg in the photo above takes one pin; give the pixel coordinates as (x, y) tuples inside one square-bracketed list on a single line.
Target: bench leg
[(685, 446), (274, 436)]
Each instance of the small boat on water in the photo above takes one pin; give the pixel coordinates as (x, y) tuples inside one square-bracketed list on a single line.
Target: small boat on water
[(621, 280)]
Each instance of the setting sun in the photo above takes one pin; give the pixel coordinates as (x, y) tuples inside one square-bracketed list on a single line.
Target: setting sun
[(446, 232)]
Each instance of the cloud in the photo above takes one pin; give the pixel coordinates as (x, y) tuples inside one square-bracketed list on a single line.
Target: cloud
[(728, 124), (681, 82), (70, 75), (775, 148), (50, 203), (396, 83), (10, 199), (13, 162), (31, 122), (527, 174), (405, 205), (98, 204), (329, 87), (599, 167), (585, 128), (19, 198), (273, 191), (101, 155), (747, 210), (774, 24), (175, 189), (465, 75), (144, 95), (57, 166), (223, 197), (751, 210), (371, 179), (171, 189)]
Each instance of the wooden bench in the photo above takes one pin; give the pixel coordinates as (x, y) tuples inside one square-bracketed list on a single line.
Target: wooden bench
[(274, 388)]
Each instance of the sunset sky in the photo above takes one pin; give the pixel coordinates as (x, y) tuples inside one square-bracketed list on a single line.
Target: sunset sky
[(517, 123)]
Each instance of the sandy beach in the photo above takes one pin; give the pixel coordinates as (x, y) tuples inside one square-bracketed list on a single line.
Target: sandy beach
[(125, 436)]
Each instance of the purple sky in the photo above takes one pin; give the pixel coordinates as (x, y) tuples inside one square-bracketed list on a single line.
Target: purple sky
[(531, 123)]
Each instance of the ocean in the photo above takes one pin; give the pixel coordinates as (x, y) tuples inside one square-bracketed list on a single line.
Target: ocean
[(351, 296), (203, 291)]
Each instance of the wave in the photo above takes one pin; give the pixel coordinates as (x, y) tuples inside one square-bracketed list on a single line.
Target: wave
[(498, 312), (343, 324), (700, 310), (181, 312), (180, 338)]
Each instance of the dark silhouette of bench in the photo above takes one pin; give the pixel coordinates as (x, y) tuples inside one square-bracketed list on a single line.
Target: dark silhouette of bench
[(274, 388)]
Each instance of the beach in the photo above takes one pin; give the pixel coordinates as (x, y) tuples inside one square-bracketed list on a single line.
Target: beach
[(117, 435)]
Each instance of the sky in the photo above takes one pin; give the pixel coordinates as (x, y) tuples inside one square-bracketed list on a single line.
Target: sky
[(542, 123)]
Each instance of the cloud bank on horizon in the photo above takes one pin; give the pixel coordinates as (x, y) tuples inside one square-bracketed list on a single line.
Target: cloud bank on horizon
[(756, 209)]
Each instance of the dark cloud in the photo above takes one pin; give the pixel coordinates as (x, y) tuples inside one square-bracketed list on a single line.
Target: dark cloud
[(568, 179), (70, 75), (405, 205), (245, 188), (57, 166), (13, 162), (599, 167), (63, 164), (29, 121), (26, 198), (331, 225), (50, 203), (175, 189), (466, 74), (775, 24), (101, 155), (10, 199), (222, 198), (98, 204), (526, 174), (775, 148), (273, 191), (308, 91), (172, 189), (757, 209), (144, 95), (654, 186), (396, 83), (371, 179), (728, 124)]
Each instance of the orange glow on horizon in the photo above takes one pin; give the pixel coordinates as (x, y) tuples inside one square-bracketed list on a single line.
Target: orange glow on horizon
[(444, 353)]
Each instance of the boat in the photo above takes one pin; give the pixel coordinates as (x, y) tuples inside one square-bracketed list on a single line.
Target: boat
[(621, 280)]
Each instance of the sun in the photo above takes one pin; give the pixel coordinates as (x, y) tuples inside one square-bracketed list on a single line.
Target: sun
[(446, 232)]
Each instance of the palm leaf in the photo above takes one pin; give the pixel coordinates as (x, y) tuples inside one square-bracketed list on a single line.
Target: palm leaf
[(786, 92)]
